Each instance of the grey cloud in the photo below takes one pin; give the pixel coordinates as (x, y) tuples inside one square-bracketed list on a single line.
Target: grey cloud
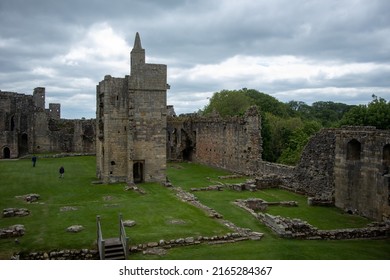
[(189, 33)]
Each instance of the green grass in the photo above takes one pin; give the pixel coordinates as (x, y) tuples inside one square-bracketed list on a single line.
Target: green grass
[(154, 211)]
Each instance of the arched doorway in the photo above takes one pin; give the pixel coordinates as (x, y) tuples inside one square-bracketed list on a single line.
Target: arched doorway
[(138, 172), (6, 152)]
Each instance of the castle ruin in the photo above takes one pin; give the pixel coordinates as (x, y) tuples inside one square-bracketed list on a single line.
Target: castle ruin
[(27, 127), (135, 133), (131, 118)]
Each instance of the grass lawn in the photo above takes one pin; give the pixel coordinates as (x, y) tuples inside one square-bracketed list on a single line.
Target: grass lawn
[(155, 211)]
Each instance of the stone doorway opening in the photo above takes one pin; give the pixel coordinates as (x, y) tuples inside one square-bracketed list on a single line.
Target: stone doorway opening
[(6, 152), (23, 144), (138, 172)]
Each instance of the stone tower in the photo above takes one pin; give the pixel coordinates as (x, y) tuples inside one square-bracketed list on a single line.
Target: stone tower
[(131, 118)]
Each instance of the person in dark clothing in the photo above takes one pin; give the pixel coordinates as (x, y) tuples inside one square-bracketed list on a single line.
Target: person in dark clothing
[(62, 171), (34, 160)]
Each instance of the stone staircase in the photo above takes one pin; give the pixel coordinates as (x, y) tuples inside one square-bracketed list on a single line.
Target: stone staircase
[(113, 249)]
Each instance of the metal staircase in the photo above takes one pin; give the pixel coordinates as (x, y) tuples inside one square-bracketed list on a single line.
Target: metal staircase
[(112, 248)]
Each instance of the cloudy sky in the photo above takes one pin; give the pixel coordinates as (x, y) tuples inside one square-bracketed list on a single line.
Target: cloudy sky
[(331, 50)]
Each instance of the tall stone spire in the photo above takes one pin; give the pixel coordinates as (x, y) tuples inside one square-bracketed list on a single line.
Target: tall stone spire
[(137, 56), (137, 42)]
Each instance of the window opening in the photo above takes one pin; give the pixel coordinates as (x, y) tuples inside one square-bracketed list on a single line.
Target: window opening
[(354, 148)]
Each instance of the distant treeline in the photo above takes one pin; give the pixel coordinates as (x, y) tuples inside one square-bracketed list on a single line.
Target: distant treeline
[(287, 127)]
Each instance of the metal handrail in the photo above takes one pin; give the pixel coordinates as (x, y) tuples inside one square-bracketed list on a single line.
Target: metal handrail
[(100, 240), (122, 236)]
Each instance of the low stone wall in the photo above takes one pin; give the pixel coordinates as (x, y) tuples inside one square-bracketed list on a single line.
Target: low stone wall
[(190, 198), (319, 201), (287, 228), (299, 229), (267, 168), (83, 254), (188, 241), (258, 204), (209, 188)]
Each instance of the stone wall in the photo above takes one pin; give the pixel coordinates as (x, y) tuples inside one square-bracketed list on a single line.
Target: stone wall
[(229, 143), (73, 254), (347, 166), (314, 174), (361, 171)]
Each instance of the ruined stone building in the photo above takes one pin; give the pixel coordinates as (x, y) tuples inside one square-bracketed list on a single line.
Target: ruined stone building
[(348, 166), (26, 126), (131, 117), (230, 143)]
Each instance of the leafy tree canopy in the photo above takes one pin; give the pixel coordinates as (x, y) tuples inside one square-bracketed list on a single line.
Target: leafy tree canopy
[(376, 113)]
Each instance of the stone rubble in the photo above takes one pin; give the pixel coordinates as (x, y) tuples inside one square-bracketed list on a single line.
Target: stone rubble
[(12, 231), (32, 197), (129, 223), (75, 228), (15, 212)]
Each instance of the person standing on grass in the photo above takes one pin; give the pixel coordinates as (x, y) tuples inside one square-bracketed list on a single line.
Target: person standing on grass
[(34, 160), (62, 171)]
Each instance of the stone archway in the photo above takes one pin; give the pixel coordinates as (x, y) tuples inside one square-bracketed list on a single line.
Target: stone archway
[(6, 152)]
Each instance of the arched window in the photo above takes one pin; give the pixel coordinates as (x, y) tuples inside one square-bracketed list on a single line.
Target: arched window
[(354, 150)]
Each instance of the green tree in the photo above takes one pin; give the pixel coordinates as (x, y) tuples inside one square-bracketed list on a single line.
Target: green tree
[(297, 141), (268, 103), (228, 103), (376, 113)]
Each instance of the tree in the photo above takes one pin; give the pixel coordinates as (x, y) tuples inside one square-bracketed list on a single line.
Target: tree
[(269, 104), (297, 141), (376, 113), (228, 103)]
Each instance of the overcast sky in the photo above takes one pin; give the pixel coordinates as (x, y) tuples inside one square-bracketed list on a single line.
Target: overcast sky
[(331, 50)]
